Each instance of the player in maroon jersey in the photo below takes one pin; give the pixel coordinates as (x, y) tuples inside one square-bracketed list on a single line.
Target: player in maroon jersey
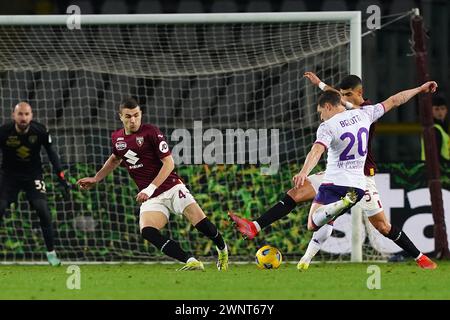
[(352, 92), (143, 150)]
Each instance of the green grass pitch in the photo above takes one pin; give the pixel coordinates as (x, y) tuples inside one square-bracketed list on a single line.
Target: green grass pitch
[(163, 282)]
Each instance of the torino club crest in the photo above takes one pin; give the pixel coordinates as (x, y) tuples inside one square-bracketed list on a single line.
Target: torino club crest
[(140, 141)]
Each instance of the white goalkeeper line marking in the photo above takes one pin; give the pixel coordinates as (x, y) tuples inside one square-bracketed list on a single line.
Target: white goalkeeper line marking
[(25, 263)]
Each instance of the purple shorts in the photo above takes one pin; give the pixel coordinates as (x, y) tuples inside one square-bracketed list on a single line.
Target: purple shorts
[(329, 193)]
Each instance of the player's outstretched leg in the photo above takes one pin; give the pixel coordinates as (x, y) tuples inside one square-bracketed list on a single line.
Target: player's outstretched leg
[(41, 207), (199, 220), (192, 264), (400, 238), (425, 263), (278, 211), (318, 238), (250, 229), (330, 211), (151, 222), (171, 248), (210, 230), (222, 259)]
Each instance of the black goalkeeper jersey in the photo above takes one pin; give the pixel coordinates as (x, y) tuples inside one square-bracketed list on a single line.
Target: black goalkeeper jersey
[(21, 153)]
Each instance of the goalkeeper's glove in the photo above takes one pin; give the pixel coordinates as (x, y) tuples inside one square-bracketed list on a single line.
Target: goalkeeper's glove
[(65, 186)]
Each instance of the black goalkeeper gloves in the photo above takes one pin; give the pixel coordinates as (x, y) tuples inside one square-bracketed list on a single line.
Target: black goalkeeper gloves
[(65, 186)]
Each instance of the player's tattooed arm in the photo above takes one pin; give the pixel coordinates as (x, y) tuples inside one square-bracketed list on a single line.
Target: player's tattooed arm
[(404, 96)]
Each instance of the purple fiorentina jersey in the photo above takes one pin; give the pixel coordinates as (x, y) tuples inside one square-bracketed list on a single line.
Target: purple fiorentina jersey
[(141, 153), (370, 167)]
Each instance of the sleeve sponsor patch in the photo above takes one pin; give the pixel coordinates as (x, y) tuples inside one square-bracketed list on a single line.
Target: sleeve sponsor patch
[(121, 145), (163, 147)]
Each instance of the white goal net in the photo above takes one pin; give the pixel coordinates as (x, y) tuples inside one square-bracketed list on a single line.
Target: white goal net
[(201, 79)]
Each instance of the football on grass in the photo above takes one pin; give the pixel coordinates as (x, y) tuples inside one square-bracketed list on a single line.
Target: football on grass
[(268, 257)]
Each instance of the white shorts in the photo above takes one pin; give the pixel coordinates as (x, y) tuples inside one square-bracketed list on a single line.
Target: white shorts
[(370, 204), (316, 180), (174, 200)]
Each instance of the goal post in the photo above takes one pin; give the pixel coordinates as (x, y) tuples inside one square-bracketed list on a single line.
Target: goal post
[(418, 44), (206, 80)]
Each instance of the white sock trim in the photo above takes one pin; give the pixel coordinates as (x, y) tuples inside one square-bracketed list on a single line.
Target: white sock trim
[(164, 245), (399, 235), (258, 227)]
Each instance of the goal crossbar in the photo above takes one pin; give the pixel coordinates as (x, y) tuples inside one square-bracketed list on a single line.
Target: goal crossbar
[(263, 17), (354, 17)]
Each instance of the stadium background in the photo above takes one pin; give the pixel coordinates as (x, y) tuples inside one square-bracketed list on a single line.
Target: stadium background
[(387, 67), (388, 52)]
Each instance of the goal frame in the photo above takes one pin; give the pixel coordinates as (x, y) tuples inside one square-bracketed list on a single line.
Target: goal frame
[(354, 18)]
